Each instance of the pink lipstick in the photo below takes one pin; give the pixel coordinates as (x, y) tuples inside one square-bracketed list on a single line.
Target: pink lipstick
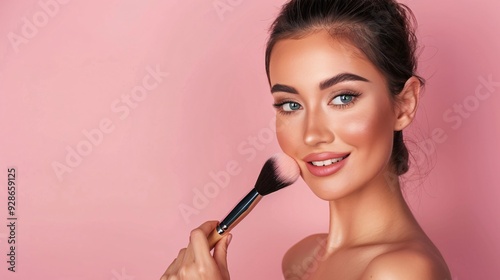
[(325, 164)]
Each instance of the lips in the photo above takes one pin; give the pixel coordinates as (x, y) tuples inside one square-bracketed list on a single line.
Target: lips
[(325, 164)]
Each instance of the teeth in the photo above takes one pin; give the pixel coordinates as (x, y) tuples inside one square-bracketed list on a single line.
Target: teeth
[(326, 162)]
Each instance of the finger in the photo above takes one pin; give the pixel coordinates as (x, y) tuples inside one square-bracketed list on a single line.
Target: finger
[(198, 248), (208, 227), (220, 255), (174, 266)]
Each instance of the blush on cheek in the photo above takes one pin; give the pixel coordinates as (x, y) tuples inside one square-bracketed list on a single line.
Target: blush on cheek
[(288, 134), (285, 140), (369, 132), (281, 141), (280, 132), (355, 128), (368, 121)]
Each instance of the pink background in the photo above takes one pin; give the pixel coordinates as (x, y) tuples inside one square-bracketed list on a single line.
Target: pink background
[(114, 213)]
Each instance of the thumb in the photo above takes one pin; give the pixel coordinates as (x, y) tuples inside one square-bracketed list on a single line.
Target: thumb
[(220, 255)]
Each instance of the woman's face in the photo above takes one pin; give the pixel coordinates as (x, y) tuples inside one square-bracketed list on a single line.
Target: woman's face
[(335, 115)]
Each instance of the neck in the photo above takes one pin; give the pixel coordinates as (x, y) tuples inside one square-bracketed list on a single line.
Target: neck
[(376, 213)]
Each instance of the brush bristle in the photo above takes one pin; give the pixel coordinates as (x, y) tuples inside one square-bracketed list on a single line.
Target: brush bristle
[(278, 172)]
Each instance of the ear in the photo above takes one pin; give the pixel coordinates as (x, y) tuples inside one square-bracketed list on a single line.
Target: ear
[(407, 103)]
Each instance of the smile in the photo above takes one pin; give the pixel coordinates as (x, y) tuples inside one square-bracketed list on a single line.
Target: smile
[(327, 162)]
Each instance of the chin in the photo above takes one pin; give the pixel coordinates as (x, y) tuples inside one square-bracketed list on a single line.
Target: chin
[(329, 190)]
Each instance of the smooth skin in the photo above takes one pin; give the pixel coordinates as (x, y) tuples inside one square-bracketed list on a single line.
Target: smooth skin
[(372, 232)]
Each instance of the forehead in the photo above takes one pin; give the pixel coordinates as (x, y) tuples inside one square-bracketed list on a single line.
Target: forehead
[(315, 57)]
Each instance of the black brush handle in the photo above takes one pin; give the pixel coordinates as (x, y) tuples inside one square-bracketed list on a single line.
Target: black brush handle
[(234, 217), (238, 211)]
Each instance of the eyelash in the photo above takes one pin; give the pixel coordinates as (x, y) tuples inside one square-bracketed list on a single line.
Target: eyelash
[(355, 95)]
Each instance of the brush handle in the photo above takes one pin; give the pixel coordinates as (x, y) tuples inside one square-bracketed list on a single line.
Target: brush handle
[(213, 238), (234, 217)]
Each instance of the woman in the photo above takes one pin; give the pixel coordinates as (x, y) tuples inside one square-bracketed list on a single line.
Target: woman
[(343, 77)]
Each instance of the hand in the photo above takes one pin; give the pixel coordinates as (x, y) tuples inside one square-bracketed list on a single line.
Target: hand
[(196, 262)]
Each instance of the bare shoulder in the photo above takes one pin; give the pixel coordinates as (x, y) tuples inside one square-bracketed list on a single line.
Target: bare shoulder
[(307, 248), (409, 262)]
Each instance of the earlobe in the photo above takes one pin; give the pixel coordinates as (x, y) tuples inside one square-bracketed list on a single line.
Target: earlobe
[(407, 103)]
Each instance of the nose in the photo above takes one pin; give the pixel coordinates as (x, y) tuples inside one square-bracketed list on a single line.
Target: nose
[(317, 130)]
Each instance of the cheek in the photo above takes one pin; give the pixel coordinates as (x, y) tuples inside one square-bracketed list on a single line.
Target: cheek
[(370, 133), (354, 127), (360, 127), (285, 136)]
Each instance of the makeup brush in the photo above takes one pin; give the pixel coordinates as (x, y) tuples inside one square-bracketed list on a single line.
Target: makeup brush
[(278, 172)]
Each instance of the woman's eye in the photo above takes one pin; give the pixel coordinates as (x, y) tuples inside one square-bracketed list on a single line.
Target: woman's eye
[(343, 99), (289, 106)]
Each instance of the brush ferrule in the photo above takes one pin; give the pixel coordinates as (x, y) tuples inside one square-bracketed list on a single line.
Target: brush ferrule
[(220, 230)]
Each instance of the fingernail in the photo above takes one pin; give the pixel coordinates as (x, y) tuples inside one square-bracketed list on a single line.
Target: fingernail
[(229, 237)]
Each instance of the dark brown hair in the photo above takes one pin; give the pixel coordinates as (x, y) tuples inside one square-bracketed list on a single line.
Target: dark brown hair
[(382, 29)]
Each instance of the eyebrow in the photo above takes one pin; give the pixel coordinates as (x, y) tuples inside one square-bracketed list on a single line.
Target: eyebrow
[(343, 77)]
